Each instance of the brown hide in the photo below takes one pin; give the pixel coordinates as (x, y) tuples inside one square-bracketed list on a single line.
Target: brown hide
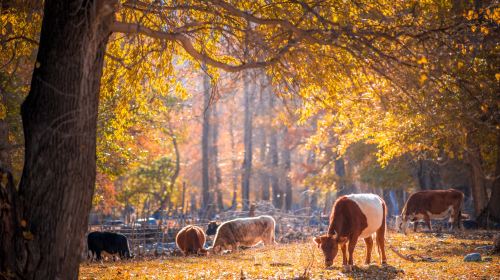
[(191, 240), (244, 232), (433, 202), (346, 218)]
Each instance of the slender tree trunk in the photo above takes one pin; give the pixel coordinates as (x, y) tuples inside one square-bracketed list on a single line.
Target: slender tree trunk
[(475, 160), (59, 117), (215, 157), (205, 169), (247, 161), (183, 199), (164, 194), (427, 175), (287, 165), (273, 158), (312, 199), (263, 112), (234, 176)]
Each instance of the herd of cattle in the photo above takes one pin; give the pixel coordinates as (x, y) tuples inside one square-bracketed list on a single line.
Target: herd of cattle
[(353, 216)]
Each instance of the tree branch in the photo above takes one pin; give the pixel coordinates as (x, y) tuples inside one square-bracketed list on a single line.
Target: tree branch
[(187, 45)]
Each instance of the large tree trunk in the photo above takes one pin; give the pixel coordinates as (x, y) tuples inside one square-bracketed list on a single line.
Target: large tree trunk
[(205, 169), (59, 117), (247, 161), (475, 160)]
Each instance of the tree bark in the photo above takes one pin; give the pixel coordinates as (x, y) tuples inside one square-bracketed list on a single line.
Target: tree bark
[(474, 158), (59, 118), (205, 169), (247, 161), (5, 149)]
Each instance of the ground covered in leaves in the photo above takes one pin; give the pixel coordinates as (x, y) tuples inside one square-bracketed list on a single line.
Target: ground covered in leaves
[(421, 256)]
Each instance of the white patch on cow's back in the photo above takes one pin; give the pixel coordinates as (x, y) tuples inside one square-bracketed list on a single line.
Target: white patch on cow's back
[(371, 206)]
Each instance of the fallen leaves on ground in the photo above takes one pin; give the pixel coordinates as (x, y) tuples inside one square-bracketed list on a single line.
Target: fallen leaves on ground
[(305, 261)]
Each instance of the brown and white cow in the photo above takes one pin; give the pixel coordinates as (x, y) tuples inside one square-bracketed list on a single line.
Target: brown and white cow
[(431, 204), (246, 232), (191, 240), (354, 216)]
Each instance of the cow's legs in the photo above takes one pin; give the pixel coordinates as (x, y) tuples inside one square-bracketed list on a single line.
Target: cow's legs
[(90, 255), (455, 217), (381, 243), (344, 253), (269, 240), (98, 255), (350, 247), (415, 225), (369, 246), (427, 220)]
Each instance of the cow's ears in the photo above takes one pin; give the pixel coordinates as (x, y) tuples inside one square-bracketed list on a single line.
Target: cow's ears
[(317, 240)]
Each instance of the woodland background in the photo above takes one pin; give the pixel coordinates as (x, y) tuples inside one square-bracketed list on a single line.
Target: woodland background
[(236, 138), (214, 105)]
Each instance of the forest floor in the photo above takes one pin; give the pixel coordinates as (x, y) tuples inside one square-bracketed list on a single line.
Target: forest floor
[(422, 256)]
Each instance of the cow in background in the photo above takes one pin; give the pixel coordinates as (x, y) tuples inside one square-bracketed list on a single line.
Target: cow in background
[(191, 240), (354, 216), (108, 242), (431, 204), (246, 232), (212, 228)]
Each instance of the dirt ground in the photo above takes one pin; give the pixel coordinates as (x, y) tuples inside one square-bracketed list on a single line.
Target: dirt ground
[(421, 256)]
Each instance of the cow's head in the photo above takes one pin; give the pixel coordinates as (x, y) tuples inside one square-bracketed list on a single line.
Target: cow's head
[(214, 250), (212, 228), (401, 224), (329, 244)]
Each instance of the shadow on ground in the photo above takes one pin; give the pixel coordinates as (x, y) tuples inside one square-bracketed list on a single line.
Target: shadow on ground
[(375, 272)]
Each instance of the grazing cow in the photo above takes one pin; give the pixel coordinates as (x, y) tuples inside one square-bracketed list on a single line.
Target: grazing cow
[(354, 216), (191, 240), (431, 204), (212, 228), (109, 242), (244, 232)]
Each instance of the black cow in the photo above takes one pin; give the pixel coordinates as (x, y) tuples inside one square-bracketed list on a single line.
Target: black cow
[(212, 228), (110, 242)]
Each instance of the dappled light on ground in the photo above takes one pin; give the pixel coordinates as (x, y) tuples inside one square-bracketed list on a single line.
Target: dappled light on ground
[(437, 256)]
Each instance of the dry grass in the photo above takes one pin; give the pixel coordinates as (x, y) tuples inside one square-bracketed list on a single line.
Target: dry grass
[(443, 255)]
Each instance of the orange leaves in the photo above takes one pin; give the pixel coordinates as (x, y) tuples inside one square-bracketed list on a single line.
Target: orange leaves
[(289, 261)]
